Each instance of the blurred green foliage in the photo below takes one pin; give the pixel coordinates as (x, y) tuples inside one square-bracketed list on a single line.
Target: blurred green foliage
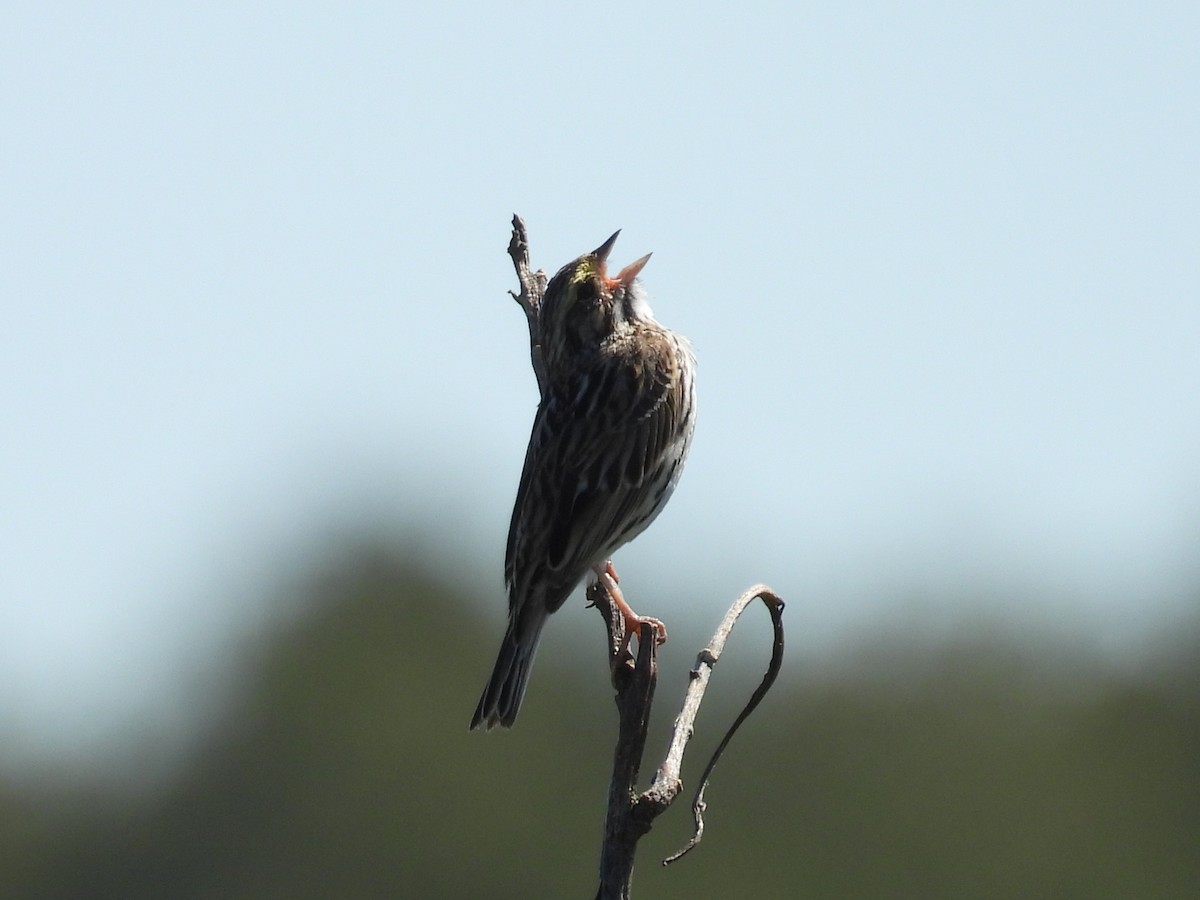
[(343, 768)]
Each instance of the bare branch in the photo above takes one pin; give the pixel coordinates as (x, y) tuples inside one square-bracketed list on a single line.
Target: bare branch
[(533, 288), (634, 681)]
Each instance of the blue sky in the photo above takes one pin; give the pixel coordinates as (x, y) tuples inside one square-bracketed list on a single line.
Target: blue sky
[(939, 264)]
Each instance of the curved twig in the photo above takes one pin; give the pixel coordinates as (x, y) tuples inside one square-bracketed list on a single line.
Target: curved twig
[(704, 665)]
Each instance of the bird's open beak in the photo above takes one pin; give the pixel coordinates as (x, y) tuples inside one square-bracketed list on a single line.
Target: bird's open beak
[(626, 276), (630, 272), (601, 252)]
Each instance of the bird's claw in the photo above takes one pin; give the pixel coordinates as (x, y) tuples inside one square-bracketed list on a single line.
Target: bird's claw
[(660, 630), (607, 581)]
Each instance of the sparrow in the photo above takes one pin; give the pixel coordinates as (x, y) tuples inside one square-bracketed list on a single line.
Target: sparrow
[(608, 445)]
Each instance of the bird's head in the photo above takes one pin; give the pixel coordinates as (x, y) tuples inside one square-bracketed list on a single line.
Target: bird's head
[(583, 306)]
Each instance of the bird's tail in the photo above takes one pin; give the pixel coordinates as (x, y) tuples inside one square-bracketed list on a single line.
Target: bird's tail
[(505, 690)]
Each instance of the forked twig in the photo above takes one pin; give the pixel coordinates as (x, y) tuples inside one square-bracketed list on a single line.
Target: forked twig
[(630, 814)]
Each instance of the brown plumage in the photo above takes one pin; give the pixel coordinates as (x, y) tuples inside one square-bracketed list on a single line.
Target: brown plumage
[(608, 445)]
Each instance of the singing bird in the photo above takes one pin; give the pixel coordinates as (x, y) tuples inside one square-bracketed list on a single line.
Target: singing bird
[(609, 442)]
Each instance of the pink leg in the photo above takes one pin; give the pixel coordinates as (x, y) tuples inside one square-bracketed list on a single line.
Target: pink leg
[(606, 577)]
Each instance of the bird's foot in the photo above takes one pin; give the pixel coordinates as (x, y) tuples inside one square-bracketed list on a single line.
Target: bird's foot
[(606, 578)]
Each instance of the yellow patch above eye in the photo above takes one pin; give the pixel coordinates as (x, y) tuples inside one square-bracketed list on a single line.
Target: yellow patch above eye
[(585, 270)]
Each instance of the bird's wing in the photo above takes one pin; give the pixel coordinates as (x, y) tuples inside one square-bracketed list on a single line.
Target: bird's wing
[(598, 440)]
